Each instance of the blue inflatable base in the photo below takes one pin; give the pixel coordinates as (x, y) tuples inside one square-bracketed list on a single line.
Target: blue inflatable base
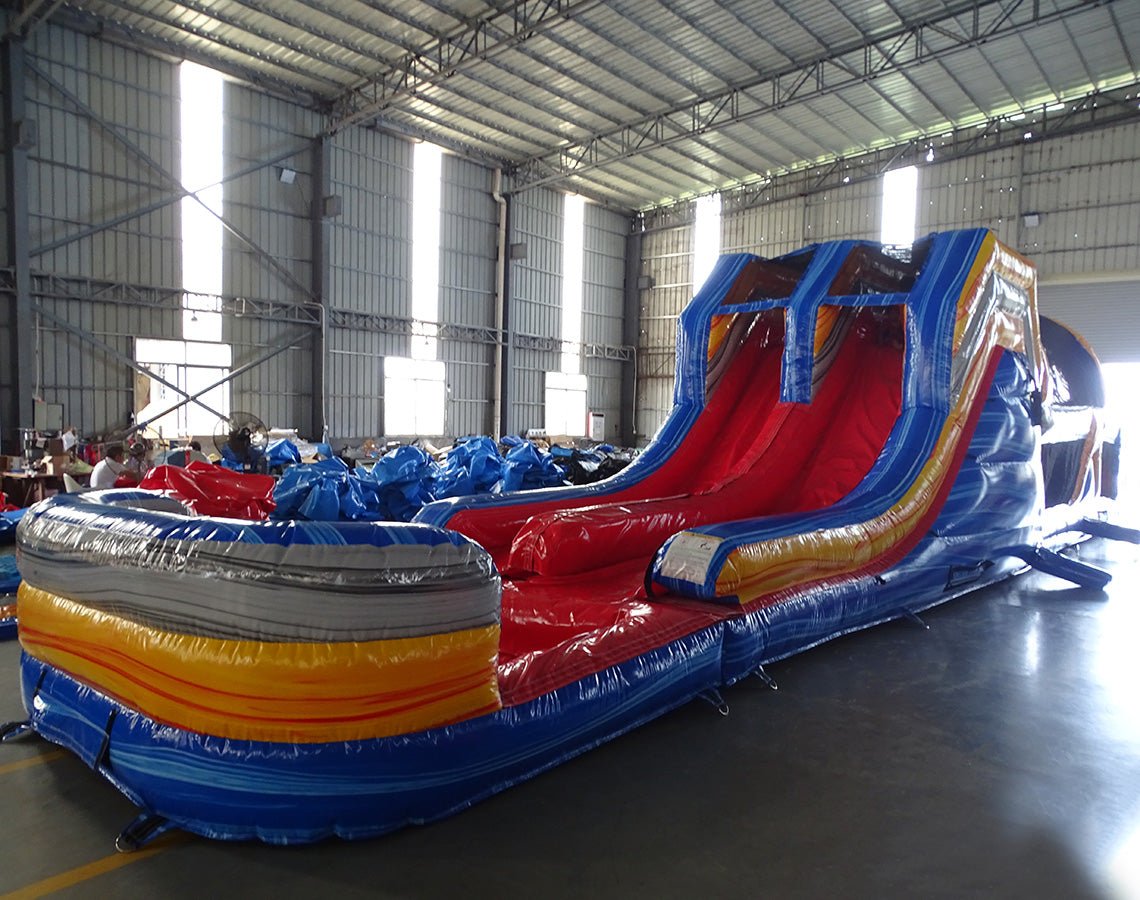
[(298, 793)]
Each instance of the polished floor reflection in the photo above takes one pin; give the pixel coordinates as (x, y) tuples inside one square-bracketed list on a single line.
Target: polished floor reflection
[(995, 755)]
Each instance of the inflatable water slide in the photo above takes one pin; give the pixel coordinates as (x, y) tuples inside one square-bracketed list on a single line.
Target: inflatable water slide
[(857, 435)]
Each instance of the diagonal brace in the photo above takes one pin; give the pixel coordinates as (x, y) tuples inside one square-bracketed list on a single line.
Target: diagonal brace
[(171, 181), (121, 357)]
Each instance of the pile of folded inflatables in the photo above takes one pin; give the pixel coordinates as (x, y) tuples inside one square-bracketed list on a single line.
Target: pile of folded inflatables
[(407, 478)]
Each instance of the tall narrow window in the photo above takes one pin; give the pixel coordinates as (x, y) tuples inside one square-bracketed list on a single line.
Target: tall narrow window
[(900, 206), (706, 239), (565, 400), (427, 170), (201, 163), (415, 389), (415, 397), (565, 391), (573, 251), (199, 360)]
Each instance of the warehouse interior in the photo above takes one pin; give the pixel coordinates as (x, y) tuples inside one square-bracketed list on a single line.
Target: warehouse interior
[(365, 225)]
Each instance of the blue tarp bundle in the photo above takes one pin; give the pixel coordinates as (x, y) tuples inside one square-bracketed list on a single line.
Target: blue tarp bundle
[(328, 491), (404, 480), (282, 452), (526, 468), (473, 466)]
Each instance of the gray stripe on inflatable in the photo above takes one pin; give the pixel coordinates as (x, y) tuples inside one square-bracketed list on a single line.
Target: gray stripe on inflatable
[(228, 608), (301, 592)]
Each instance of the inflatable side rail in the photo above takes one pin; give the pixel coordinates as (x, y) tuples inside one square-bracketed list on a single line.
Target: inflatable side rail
[(710, 331), (688, 402), (952, 351), (204, 623)]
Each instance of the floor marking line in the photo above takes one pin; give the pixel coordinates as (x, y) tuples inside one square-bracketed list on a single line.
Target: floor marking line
[(78, 875), (19, 764)]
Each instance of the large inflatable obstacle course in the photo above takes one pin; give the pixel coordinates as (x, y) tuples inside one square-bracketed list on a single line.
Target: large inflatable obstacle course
[(857, 435)]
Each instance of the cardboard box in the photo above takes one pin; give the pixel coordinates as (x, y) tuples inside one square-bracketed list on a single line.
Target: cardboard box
[(54, 447), (55, 465)]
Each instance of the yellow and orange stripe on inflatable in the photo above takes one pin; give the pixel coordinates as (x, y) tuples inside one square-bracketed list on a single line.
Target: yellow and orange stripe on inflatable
[(756, 570), (300, 692)]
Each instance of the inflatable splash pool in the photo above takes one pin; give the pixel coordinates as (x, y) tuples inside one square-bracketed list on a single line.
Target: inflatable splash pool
[(856, 437)]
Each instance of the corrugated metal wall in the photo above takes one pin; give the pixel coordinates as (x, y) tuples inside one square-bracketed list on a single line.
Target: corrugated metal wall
[(1085, 189), (667, 260), (603, 277), (468, 248), (536, 310), (770, 229), (276, 217), (977, 191), (1105, 312), (1087, 192), (370, 261), (79, 176)]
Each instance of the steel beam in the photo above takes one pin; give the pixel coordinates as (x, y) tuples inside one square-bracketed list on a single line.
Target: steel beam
[(28, 18), (1099, 109), (319, 237), (275, 350), (961, 26), (161, 203), (507, 356), (49, 286), (16, 410), (60, 322), (630, 335), (121, 35), (172, 182), (481, 39)]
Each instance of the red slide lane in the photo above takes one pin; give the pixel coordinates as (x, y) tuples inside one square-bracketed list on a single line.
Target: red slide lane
[(736, 412), (557, 628), (806, 456)]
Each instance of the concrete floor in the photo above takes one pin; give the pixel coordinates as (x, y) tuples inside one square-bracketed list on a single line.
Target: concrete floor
[(996, 755)]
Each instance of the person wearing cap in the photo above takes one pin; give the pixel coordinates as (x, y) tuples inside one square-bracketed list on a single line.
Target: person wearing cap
[(109, 468)]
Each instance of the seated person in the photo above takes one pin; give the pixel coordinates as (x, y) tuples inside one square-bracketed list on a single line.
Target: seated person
[(109, 468), (137, 464), (186, 455)]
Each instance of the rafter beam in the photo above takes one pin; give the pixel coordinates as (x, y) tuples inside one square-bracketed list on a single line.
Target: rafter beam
[(963, 26), (53, 286), (478, 40), (1098, 109)]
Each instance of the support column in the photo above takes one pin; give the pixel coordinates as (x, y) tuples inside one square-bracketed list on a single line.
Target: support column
[(508, 357), (631, 337), (322, 192), (19, 135)]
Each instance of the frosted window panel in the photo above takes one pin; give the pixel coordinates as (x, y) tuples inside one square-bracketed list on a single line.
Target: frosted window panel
[(565, 401), (415, 397)]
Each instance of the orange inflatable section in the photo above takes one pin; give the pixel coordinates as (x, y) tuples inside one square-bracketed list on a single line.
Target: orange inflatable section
[(254, 690)]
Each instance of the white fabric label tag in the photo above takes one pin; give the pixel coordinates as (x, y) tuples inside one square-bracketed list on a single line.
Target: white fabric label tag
[(689, 555)]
